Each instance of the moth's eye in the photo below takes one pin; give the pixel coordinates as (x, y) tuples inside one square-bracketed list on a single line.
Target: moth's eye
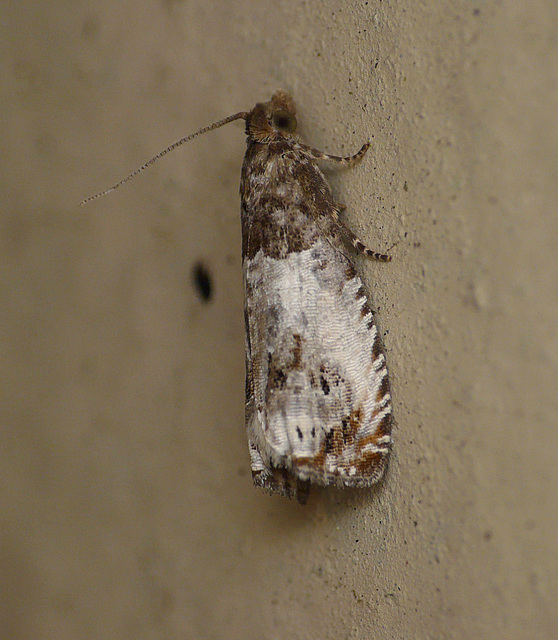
[(284, 121)]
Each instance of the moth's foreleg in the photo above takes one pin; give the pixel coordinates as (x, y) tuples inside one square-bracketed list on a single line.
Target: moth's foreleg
[(347, 235), (346, 161)]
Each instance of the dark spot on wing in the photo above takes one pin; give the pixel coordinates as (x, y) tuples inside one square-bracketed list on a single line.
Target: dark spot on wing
[(383, 389), (346, 430), (376, 349), (297, 351), (384, 426), (329, 442), (276, 375)]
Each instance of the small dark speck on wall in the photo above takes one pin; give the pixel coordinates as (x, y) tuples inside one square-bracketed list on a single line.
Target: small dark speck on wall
[(202, 281)]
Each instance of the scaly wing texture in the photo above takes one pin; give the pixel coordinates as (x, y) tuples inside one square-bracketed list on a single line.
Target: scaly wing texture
[(318, 399)]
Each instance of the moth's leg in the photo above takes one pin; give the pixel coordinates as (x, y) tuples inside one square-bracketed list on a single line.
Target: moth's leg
[(349, 237), (360, 246), (346, 161)]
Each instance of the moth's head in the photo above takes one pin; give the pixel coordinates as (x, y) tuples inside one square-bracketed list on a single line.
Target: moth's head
[(272, 121)]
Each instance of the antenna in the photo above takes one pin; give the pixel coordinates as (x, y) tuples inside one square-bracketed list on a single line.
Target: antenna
[(242, 115)]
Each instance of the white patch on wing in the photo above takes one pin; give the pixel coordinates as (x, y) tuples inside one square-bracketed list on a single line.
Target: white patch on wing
[(308, 330)]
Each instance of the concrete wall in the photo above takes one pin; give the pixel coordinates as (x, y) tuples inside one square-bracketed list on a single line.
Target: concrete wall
[(127, 508)]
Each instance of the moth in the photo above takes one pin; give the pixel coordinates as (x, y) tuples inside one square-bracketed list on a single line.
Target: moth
[(318, 403)]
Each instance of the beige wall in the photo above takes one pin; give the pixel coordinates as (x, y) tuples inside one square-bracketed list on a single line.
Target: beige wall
[(127, 508)]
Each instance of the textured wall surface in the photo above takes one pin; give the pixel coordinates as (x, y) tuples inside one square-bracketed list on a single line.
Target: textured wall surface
[(127, 510)]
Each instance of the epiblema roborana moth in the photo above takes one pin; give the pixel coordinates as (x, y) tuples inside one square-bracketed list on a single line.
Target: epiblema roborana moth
[(318, 403)]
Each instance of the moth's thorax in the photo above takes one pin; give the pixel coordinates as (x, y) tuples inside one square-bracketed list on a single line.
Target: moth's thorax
[(278, 212), (270, 169), (286, 202)]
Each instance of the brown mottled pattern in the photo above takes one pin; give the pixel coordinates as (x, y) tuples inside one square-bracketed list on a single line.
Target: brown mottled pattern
[(281, 206), (367, 463), (371, 464)]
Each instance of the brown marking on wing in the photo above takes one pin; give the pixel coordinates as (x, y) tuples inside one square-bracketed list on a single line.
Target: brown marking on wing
[(376, 349), (364, 310), (372, 439), (297, 352), (382, 389), (361, 293), (347, 431), (384, 426), (335, 441), (276, 376), (368, 462)]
